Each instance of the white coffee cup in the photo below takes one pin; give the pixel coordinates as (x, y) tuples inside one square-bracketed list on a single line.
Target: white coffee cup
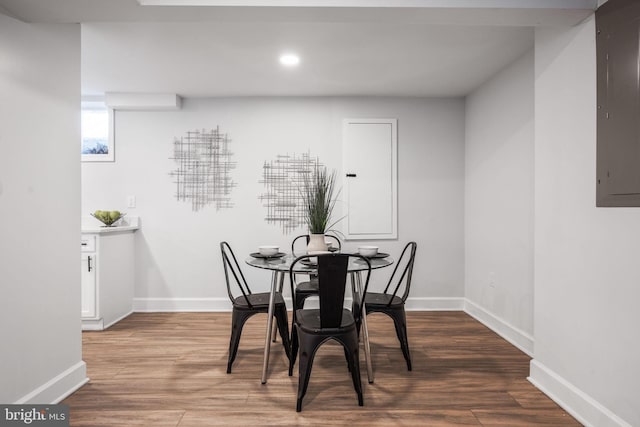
[(268, 250), (368, 251)]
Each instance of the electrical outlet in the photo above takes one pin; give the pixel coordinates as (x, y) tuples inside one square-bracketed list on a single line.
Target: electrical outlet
[(131, 201)]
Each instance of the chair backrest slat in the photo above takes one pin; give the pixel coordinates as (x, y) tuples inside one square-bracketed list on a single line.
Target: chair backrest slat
[(407, 260), (295, 240), (306, 240), (332, 279), (230, 264)]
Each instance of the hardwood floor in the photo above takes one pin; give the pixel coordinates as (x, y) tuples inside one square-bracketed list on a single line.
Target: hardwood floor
[(169, 369)]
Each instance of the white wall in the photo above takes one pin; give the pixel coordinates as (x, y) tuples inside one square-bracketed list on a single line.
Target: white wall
[(177, 250), (40, 212), (499, 200), (586, 258)]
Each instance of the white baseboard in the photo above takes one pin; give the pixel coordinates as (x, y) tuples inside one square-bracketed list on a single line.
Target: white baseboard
[(515, 336), (59, 387), (434, 304), (573, 400), (113, 322), (412, 304), (223, 304), (92, 324), (181, 304)]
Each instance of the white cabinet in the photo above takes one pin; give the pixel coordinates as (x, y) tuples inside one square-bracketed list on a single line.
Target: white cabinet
[(370, 181), (108, 275), (87, 266)]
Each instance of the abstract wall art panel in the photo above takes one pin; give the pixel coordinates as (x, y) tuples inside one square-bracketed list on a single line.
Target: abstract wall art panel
[(283, 180), (203, 176)]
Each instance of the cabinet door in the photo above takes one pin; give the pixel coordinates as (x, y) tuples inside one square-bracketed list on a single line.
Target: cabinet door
[(88, 268), (370, 182)]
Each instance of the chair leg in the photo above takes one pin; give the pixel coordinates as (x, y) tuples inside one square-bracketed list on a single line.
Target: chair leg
[(400, 322), (355, 308), (308, 346), (294, 349), (274, 333), (353, 359), (238, 319), (283, 326)]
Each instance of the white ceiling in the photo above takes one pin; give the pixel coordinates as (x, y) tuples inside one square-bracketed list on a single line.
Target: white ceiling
[(201, 59), (414, 48)]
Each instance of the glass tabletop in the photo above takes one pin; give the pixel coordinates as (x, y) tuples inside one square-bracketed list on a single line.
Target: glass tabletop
[(284, 263)]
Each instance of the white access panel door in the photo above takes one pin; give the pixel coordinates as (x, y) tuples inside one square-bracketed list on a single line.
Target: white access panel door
[(370, 180)]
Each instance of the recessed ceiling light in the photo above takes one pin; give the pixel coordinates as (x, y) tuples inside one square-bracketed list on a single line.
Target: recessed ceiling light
[(289, 60)]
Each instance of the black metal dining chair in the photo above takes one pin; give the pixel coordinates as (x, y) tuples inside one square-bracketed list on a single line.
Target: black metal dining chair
[(308, 288), (246, 304), (313, 327), (388, 301)]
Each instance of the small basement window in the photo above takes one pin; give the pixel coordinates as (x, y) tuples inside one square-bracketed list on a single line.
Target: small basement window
[(97, 136)]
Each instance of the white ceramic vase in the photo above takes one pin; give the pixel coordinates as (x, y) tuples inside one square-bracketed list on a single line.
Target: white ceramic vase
[(316, 244)]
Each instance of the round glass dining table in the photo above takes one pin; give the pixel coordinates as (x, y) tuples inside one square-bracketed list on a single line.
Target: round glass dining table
[(280, 267), (284, 264)]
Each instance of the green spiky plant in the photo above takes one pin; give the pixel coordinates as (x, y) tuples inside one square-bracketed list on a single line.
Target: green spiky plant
[(318, 195)]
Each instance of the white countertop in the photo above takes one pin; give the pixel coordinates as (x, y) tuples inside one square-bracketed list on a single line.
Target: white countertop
[(90, 225)]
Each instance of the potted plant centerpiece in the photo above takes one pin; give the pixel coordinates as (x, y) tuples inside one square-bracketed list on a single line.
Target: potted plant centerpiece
[(318, 196)]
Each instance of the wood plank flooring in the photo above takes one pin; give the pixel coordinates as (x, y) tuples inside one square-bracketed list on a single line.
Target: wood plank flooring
[(169, 369)]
